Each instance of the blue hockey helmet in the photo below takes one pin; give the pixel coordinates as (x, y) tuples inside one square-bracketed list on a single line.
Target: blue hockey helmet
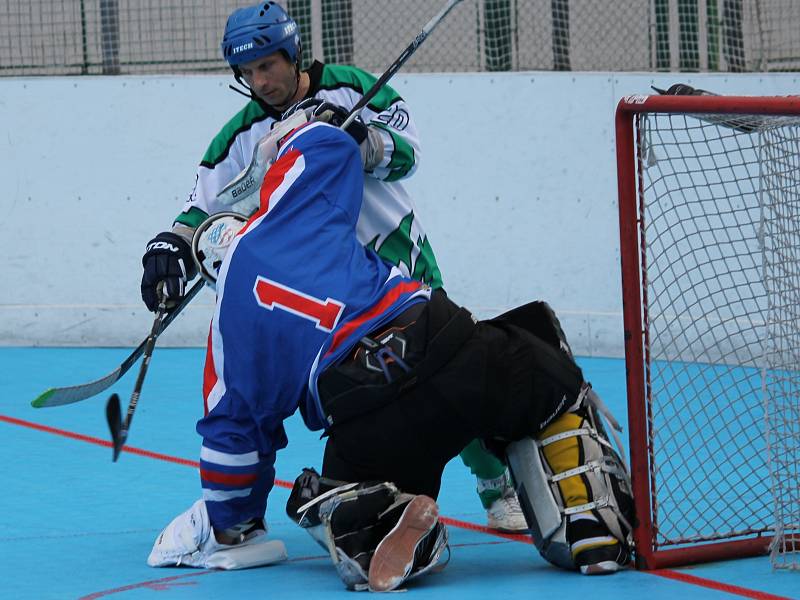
[(256, 31)]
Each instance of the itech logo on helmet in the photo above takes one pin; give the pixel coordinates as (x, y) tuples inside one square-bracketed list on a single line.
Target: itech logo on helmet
[(242, 48)]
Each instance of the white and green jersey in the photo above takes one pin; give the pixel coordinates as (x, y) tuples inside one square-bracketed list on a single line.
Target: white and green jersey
[(387, 222)]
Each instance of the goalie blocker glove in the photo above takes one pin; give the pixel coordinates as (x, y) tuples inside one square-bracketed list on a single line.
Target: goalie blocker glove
[(168, 261), (368, 139)]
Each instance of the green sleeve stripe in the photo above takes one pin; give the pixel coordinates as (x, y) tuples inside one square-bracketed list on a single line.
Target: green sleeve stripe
[(338, 76), (403, 157), (192, 218), (222, 142)]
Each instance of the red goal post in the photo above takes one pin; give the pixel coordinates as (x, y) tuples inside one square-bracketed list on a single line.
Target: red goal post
[(708, 190)]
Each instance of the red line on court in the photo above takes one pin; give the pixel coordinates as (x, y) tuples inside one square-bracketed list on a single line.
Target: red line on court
[(158, 585), (162, 583), (514, 537), (715, 585)]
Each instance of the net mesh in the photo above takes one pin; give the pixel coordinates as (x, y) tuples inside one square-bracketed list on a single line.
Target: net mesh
[(61, 37), (720, 233)]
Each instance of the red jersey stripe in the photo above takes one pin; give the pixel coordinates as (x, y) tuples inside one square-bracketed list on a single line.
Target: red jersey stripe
[(272, 181), (209, 374), (345, 330), (240, 480)]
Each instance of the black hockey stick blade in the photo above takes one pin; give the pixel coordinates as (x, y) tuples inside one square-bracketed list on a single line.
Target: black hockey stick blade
[(114, 418), (75, 393)]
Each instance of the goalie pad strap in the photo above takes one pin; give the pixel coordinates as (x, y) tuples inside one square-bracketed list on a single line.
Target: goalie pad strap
[(593, 466), (574, 510), (572, 433)]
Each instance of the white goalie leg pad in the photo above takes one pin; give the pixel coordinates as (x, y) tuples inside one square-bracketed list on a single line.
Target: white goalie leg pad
[(603, 477), (543, 512), (189, 541)]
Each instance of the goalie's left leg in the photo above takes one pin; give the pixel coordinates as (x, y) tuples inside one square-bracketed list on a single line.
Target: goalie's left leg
[(574, 490)]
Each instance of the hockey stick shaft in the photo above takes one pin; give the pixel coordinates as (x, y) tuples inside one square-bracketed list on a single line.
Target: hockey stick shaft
[(119, 430), (75, 393), (395, 66)]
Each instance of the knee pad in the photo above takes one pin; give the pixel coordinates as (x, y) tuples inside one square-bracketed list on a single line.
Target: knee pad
[(350, 520), (572, 468)]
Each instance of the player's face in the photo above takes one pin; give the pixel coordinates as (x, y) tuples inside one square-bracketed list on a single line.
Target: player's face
[(272, 78)]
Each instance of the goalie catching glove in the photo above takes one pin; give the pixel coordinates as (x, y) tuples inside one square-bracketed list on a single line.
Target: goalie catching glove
[(189, 541), (168, 265), (368, 138)]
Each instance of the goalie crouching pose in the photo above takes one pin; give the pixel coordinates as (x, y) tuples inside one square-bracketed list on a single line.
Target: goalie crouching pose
[(399, 377)]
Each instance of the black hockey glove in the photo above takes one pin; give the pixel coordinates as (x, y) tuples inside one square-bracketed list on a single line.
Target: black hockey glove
[(167, 259), (333, 114)]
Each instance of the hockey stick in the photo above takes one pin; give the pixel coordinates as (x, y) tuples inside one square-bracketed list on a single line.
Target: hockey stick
[(75, 393), (119, 430), (395, 66)]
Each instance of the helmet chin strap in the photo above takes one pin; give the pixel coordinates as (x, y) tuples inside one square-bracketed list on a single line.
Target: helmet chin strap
[(237, 75)]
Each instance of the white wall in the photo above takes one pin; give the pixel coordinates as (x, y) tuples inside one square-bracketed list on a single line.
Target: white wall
[(517, 190)]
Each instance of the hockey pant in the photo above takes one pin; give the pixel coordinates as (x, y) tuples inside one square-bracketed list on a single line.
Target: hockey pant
[(456, 380), (508, 379)]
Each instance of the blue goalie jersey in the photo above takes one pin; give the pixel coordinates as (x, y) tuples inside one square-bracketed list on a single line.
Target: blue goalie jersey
[(295, 293)]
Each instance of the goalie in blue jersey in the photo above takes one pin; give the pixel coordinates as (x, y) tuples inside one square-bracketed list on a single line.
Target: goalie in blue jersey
[(398, 376)]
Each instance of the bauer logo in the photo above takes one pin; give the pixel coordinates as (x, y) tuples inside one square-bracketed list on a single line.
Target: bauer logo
[(555, 413), (635, 99), (242, 48), (289, 29), (243, 187)]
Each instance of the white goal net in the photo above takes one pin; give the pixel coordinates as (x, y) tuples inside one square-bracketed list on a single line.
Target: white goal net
[(716, 302)]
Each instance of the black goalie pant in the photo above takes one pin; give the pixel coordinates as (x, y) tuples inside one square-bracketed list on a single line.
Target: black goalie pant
[(491, 380)]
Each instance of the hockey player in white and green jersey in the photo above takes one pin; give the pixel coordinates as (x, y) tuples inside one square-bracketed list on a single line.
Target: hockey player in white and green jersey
[(262, 46)]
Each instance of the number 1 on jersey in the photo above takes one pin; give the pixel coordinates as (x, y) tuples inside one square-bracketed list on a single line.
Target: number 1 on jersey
[(324, 313)]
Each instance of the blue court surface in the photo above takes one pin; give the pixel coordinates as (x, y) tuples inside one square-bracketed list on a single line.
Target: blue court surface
[(75, 525)]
